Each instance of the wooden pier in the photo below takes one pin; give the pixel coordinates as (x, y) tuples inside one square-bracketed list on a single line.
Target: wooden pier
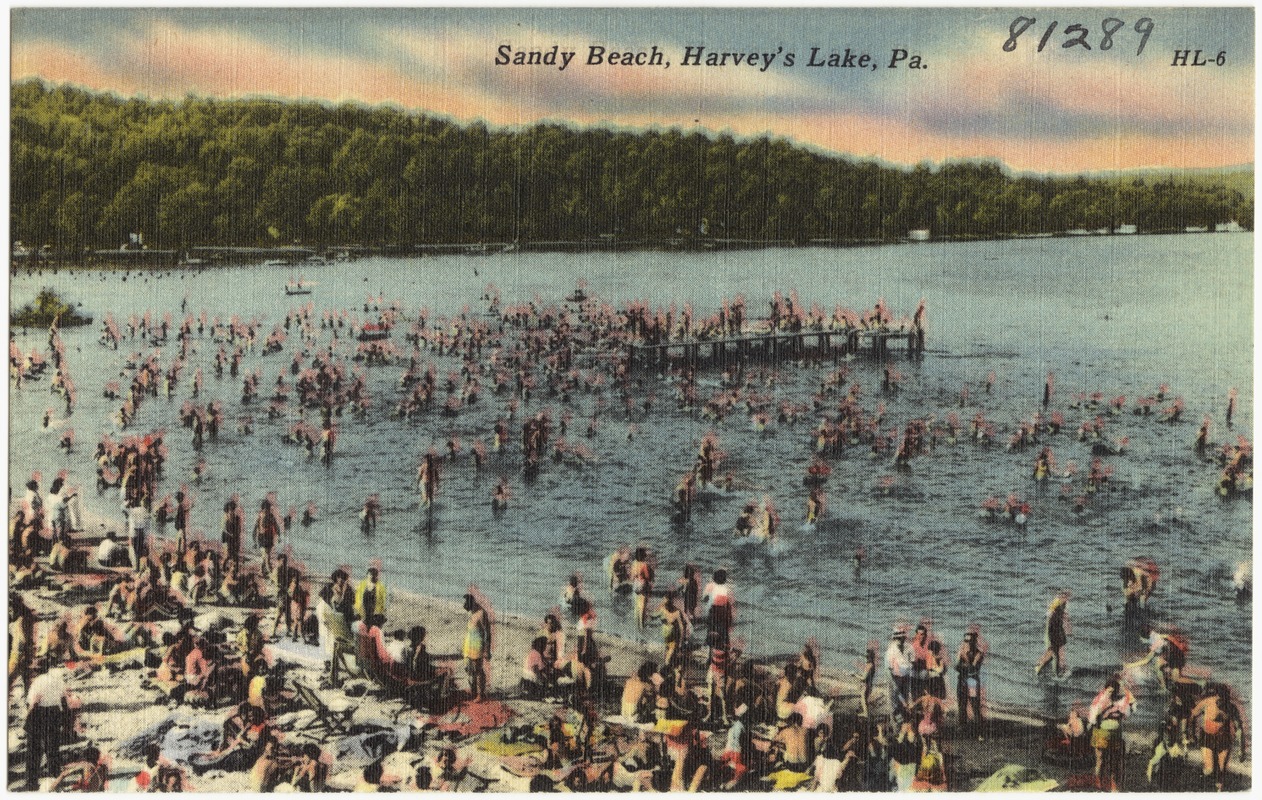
[(828, 345)]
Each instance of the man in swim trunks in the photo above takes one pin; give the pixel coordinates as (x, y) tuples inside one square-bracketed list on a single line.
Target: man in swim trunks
[(968, 691), (792, 743), (266, 532), (1219, 719)]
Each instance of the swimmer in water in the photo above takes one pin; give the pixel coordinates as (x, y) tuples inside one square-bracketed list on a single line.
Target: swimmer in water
[(1138, 584), (500, 495), (815, 504), (1202, 436), (748, 516), (1043, 466), (619, 569), (427, 478), (1242, 580), (685, 491), (369, 513)]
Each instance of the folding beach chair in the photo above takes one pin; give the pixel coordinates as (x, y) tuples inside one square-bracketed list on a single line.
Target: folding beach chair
[(343, 646), (434, 695), (333, 718)]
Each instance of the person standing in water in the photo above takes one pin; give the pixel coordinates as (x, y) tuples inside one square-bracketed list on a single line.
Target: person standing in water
[(641, 584), (815, 504), (231, 534), (1055, 635), (427, 479), (689, 588)]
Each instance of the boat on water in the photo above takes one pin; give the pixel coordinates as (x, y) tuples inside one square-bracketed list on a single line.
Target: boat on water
[(373, 332), (579, 294), (298, 287)]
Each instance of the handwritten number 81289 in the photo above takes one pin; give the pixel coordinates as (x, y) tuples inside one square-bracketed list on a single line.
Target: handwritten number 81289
[(1076, 35)]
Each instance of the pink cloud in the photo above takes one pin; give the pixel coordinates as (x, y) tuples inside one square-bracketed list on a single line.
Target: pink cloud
[(452, 73), (1114, 86), (41, 59)]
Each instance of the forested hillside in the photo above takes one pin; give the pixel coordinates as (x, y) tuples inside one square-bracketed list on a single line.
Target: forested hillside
[(88, 169)]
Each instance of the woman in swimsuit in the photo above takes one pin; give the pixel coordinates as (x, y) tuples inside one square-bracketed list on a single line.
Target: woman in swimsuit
[(1111, 706), (477, 647), (1055, 635), (641, 584), (672, 627)]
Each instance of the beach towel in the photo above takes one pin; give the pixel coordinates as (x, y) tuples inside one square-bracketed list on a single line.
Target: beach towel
[(1016, 778), (496, 746), (524, 766), (785, 780), (470, 718), (134, 657), (670, 727)]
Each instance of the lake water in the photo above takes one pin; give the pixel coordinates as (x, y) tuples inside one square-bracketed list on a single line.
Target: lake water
[(1119, 315)]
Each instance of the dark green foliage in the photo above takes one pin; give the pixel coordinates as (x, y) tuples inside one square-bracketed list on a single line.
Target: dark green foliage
[(88, 169), (47, 308)]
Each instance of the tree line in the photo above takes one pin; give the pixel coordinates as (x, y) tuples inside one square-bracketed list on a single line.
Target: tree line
[(88, 169)]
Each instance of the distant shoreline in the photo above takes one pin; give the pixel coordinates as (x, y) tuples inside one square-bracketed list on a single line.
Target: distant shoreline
[(322, 255)]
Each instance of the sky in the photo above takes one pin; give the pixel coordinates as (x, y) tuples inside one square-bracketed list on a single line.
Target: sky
[(1062, 110)]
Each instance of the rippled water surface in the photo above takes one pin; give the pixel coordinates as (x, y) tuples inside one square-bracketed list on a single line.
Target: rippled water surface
[(1118, 315)]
